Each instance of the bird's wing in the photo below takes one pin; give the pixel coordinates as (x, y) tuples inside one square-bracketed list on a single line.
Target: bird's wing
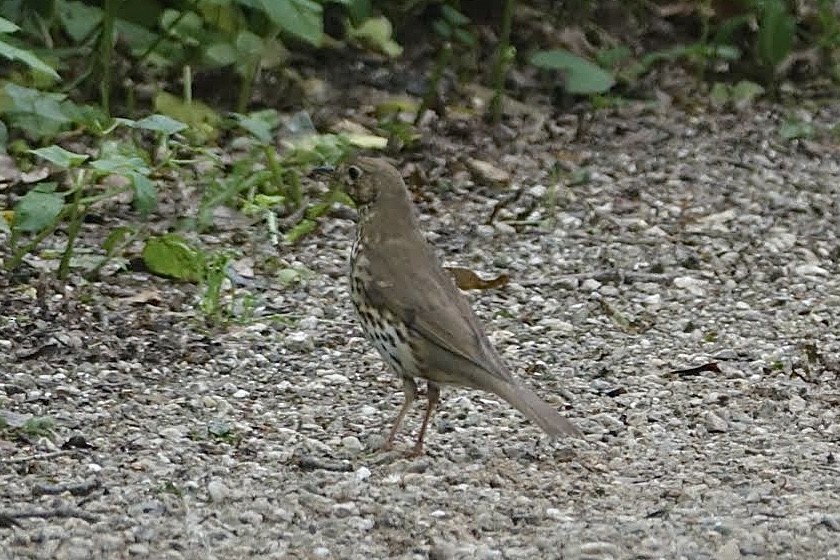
[(410, 282)]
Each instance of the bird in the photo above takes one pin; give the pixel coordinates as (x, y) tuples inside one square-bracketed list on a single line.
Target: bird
[(413, 313)]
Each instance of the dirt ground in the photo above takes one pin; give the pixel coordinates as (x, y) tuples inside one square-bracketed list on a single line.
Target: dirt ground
[(651, 241)]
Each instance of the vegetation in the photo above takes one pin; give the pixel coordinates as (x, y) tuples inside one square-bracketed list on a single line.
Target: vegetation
[(111, 104)]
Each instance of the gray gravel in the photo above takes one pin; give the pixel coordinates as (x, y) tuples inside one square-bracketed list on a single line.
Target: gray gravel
[(696, 239)]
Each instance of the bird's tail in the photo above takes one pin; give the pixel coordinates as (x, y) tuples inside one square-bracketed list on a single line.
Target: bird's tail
[(537, 410)]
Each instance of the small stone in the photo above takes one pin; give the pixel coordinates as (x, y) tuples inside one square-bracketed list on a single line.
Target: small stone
[(609, 290), (715, 423), (590, 285), (172, 432), (345, 509), (335, 379), (250, 517), (241, 394), (217, 490), (810, 270), (653, 300), (486, 231), (321, 552), (691, 285), (301, 341), (599, 549), (138, 549), (729, 551), (362, 474), (797, 404), (352, 443), (367, 410)]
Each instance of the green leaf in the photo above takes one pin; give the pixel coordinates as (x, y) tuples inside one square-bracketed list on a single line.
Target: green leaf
[(795, 128), (221, 54), (173, 256), (14, 53), (116, 238), (59, 156), (120, 164), (776, 32), (79, 20), (7, 26), (303, 227), (259, 128), (38, 208), (301, 18), (453, 16), (36, 112), (581, 77), (745, 92), (375, 33), (145, 194), (160, 123)]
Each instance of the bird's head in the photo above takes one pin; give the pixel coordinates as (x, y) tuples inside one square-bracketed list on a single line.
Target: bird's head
[(367, 180)]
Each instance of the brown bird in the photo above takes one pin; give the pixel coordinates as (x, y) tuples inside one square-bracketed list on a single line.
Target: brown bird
[(413, 313)]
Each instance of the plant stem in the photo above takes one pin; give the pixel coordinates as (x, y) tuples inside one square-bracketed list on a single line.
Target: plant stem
[(502, 60), (440, 64), (75, 223), (106, 51), (17, 258)]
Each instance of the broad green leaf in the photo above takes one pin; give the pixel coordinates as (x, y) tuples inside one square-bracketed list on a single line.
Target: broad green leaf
[(199, 116), (453, 16), (301, 18), (7, 26), (258, 128), (36, 112), (795, 128), (79, 20), (59, 156), (581, 77), (14, 53), (120, 164), (775, 33), (221, 54), (376, 34), (174, 256), (249, 45), (161, 123), (145, 194), (38, 208), (745, 92)]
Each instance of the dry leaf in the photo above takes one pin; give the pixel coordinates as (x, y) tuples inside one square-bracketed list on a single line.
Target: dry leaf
[(466, 279)]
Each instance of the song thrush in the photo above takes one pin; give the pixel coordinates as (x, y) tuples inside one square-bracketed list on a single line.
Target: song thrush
[(411, 310)]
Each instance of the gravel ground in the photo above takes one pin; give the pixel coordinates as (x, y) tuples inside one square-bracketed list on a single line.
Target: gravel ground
[(698, 241)]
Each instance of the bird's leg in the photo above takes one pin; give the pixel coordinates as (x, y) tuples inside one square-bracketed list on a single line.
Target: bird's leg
[(433, 394), (409, 394)]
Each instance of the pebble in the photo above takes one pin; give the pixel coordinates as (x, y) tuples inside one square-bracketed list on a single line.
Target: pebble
[(301, 341), (590, 285), (217, 490), (729, 551)]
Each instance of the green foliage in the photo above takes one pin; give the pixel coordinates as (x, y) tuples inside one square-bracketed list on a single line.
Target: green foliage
[(580, 77), (13, 53), (776, 31), (174, 256)]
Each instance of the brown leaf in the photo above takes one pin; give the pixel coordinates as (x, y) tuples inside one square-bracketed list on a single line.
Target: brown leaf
[(466, 279)]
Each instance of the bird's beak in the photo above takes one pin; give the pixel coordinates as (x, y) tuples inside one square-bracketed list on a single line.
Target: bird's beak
[(322, 170)]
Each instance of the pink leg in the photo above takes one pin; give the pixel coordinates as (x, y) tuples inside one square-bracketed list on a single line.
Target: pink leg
[(434, 398), (410, 393)]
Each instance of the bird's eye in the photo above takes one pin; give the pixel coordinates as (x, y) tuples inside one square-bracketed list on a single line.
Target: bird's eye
[(354, 173)]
